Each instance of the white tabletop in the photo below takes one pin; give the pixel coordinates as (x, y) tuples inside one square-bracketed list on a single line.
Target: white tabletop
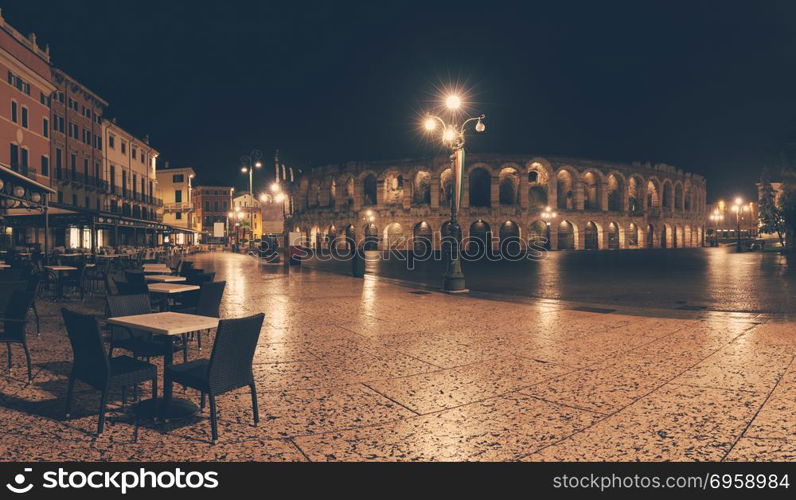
[(166, 278), (70, 255), (108, 255), (61, 268), (5, 266), (166, 323), (171, 288), (156, 266)]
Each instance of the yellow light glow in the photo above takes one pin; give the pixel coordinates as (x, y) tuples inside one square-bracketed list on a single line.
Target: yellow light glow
[(244, 169), (738, 200), (453, 101), (258, 164), (430, 124), (263, 197), (279, 197), (449, 135), (275, 187)]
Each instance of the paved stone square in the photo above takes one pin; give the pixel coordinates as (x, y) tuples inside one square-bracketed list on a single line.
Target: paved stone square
[(363, 369)]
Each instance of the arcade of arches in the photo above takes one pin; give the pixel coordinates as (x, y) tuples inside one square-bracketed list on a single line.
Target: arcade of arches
[(405, 205)]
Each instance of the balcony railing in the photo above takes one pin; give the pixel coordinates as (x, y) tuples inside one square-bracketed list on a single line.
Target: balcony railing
[(177, 206)]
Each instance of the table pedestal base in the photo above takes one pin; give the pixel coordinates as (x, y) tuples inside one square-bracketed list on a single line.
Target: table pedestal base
[(177, 409)]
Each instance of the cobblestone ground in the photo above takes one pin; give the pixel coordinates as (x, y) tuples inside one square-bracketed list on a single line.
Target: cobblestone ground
[(353, 369)]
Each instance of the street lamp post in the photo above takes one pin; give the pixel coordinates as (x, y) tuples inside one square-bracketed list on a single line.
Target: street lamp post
[(548, 215), (249, 163), (716, 217), (738, 207), (453, 137)]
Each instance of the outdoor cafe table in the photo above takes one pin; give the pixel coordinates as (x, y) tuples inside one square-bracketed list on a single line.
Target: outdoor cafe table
[(170, 325), (59, 270), (3, 265), (165, 278), (156, 269)]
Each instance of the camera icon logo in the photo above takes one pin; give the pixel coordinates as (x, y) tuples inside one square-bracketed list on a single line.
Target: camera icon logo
[(19, 483)]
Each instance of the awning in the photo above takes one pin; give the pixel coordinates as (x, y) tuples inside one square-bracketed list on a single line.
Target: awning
[(20, 192)]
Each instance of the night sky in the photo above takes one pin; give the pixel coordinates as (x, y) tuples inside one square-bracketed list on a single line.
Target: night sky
[(707, 86)]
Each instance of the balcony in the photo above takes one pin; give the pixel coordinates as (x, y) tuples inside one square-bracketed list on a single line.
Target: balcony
[(183, 206)]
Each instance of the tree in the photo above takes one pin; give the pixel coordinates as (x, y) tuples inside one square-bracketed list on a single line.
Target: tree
[(771, 215), (787, 207)]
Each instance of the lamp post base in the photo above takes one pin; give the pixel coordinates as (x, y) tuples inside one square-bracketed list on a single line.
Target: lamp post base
[(453, 279)]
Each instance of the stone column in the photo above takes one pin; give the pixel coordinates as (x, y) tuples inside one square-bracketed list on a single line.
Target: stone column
[(435, 188), (552, 194), (494, 191), (407, 196), (603, 197), (553, 236), (380, 193), (466, 191), (579, 196), (523, 198)]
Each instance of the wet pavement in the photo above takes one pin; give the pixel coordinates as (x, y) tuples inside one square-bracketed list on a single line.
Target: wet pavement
[(363, 369), (716, 279)]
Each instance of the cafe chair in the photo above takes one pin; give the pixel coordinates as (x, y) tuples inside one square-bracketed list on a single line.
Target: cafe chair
[(140, 343), (14, 322), (94, 367), (229, 366)]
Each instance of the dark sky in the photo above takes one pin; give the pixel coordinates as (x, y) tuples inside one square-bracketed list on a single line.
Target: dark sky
[(707, 86)]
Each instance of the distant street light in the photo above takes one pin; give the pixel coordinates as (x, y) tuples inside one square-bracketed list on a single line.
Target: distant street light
[(249, 163), (453, 137)]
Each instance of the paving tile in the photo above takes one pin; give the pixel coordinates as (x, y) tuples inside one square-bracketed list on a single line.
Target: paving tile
[(492, 430), (674, 423)]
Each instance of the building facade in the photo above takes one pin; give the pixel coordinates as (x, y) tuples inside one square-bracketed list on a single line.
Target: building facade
[(248, 217), (130, 185), (25, 131), (565, 203), (174, 188), (211, 204)]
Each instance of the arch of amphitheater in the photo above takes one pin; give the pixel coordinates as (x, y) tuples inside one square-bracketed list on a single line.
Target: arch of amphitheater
[(597, 205)]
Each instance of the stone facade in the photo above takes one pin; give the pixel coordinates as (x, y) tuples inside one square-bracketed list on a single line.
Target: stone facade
[(596, 205)]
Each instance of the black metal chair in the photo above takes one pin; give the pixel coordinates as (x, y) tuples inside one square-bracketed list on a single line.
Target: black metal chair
[(229, 366), (184, 268), (93, 366), (14, 321)]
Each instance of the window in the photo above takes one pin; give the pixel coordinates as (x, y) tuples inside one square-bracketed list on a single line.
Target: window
[(73, 163), (178, 196), (124, 147), (178, 215), (113, 177), (14, 157), (45, 127), (45, 166), (18, 83), (14, 112), (111, 142), (88, 202), (60, 197), (133, 152), (177, 178), (24, 116), (24, 163), (74, 199)]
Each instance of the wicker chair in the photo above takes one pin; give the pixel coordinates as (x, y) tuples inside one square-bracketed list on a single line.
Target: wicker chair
[(93, 366), (137, 281), (229, 366), (206, 303), (14, 324)]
